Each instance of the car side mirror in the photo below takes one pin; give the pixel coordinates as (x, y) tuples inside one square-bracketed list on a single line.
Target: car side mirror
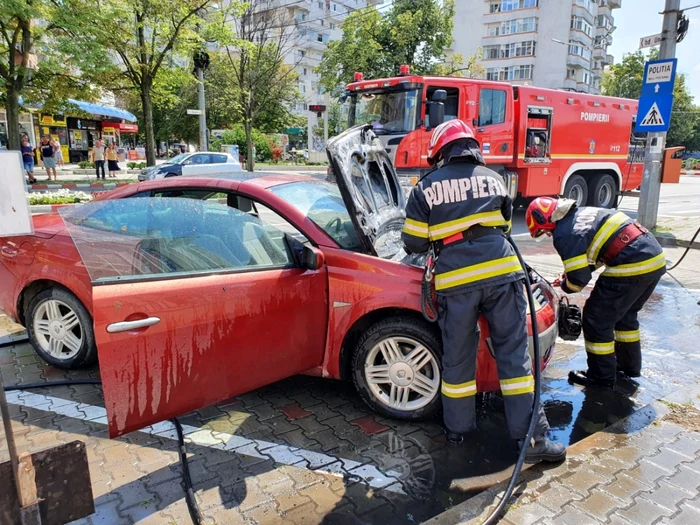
[(312, 258), (436, 108)]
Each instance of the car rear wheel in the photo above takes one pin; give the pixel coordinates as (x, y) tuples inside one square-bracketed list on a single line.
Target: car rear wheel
[(577, 190), (604, 191), (60, 329), (396, 369)]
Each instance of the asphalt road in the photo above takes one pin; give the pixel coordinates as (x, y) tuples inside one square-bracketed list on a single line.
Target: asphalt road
[(677, 200)]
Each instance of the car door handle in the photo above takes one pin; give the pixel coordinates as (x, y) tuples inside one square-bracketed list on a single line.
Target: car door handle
[(9, 252), (127, 326)]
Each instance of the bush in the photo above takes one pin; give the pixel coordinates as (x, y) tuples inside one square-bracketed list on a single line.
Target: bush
[(277, 154), (236, 135), (215, 145), (62, 196), (86, 164), (135, 165)]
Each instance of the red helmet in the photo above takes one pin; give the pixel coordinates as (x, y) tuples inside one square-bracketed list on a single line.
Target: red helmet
[(538, 216), (444, 134)]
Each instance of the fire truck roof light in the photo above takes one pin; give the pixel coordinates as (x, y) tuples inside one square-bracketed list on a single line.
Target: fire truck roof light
[(404, 70), (540, 97), (359, 77)]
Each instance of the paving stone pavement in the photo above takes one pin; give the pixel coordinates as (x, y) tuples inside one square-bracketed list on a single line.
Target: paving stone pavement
[(642, 470)]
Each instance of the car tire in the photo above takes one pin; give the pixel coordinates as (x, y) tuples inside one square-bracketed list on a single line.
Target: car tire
[(577, 190), (60, 329), (385, 392), (603, 191)]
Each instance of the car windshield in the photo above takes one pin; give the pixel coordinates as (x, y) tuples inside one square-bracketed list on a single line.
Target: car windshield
[(177, 159), (387, 112), (323, 204)]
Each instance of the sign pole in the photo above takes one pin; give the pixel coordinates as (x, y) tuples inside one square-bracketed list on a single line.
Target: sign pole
[(653, 155)]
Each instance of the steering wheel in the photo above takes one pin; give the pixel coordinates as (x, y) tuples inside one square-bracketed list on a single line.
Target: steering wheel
[(334, 221)]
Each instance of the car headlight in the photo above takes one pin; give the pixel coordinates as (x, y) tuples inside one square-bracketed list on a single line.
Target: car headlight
[(157, 174)]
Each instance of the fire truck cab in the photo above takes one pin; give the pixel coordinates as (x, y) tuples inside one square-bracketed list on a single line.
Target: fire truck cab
[(542, 141)]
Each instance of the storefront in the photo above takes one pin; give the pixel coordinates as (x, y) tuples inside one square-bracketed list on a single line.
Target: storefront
[(124, 136), (56, 127), (25, 128), (82, 134)]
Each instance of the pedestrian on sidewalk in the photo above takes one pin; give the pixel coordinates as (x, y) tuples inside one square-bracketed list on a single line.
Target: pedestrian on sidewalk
[(58, 153), (113, 160), (28, 159), (587, 238), (98, 158), (48, 157), (183, 146)]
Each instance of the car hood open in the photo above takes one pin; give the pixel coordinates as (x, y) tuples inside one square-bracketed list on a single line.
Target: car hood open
[(370, 189)]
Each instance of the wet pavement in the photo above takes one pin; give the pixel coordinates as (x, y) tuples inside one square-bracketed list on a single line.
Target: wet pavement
[(307, 451)]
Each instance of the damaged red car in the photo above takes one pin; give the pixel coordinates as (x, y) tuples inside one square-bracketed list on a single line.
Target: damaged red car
[(191, 291)]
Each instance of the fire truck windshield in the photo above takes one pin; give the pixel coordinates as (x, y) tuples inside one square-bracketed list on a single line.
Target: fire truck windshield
[(389, 112)]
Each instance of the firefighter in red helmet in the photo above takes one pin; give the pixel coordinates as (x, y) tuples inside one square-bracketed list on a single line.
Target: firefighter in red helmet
[(587, 238), (463, 210)]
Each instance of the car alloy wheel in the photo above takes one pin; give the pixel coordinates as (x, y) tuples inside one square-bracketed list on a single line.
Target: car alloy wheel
[(57, 329), (402, 373)]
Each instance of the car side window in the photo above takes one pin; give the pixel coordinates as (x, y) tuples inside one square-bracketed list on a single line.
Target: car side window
[(492, 107), (202, 158), (153, 236), (218, 159)]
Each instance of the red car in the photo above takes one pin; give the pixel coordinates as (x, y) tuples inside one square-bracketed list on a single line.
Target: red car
[(191, 291)]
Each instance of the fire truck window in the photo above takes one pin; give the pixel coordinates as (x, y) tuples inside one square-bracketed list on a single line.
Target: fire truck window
[(492, 107), (451, 103)]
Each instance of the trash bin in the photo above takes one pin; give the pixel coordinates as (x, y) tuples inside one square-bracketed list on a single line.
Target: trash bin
[(231, 149), (673, 162)]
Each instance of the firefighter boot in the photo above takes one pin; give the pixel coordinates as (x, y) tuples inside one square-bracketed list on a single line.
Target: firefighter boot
[(581, 377), (542, 449)]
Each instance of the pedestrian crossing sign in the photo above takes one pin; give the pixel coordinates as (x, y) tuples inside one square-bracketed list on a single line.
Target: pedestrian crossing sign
[(654, 114)]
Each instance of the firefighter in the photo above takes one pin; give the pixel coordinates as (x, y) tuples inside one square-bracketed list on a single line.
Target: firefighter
[(464, 211), (587, 238)]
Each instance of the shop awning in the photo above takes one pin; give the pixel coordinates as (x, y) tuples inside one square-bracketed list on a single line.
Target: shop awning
[(96, 109), (104, 111)]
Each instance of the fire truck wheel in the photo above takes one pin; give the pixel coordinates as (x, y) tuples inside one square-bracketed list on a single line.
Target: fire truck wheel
[(603, 191), (577, 190)]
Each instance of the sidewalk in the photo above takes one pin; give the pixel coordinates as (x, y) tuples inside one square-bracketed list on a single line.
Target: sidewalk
[(678, 232), (643, 469)]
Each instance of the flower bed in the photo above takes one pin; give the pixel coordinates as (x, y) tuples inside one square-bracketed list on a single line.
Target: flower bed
[(62, 196)]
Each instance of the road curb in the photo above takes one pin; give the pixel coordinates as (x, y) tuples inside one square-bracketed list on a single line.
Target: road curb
[(39, 209), (86, 186), (672, 242)]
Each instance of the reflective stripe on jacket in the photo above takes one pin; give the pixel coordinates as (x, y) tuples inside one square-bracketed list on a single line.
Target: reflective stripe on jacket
[(450, 200), (582, 237)]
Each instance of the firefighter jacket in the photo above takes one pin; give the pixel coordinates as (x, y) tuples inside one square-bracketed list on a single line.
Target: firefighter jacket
[(441, 209), (582, 237)]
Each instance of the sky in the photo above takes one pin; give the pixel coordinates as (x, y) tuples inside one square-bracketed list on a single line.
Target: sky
[(638, 18)]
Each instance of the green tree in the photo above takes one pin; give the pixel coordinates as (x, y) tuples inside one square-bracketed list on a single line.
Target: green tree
[(41, 53), (414, 32), (457, 66), (625, 80), (267, 86), (144, 36)]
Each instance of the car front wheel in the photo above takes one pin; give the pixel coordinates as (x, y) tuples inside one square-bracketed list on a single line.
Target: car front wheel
[(60, 329), (396, 369)]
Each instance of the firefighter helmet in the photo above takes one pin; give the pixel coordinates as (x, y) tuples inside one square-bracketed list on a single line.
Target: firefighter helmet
[(538, 216), (445, 134)]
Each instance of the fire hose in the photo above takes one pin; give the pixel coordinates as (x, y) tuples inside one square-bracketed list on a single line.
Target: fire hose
[(430, 313), (192, 506)]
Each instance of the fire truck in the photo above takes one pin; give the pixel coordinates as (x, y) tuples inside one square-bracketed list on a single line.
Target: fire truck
[(542, 141)]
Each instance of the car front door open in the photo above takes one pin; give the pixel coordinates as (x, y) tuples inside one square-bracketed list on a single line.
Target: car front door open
[(185, 316)]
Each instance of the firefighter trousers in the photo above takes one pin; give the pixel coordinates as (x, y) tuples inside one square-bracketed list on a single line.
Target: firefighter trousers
[(610, 325), (504, 307)]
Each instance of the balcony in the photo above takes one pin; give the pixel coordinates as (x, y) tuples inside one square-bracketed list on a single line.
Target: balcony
[(583, 87), (570, 84), (577, 61), (609, 59), (599, 53), (615, 4)]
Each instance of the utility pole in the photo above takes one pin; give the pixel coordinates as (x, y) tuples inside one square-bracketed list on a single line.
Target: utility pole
[(653, 154), (203, 146)]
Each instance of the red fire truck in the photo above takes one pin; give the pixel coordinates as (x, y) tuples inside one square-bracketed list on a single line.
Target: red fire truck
[(543, 141)]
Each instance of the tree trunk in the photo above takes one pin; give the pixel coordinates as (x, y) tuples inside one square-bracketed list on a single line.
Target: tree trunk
[(148, 123), (12, 108), (250, 158)]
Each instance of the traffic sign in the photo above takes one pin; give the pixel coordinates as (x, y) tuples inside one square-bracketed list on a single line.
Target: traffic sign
[(194, 111), (659, 77), (654, 115), (650, 41)]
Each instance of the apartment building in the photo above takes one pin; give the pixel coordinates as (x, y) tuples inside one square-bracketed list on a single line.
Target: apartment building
[(548, 43), (315, 23)]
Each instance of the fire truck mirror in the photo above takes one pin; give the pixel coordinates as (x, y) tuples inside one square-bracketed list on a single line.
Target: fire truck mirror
[(436, 108)]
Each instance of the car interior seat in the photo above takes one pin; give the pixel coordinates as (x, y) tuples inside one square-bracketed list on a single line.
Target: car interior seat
[(261, 246)]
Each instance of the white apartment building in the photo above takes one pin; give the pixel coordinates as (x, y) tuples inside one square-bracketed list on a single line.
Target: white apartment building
[(548, 43)]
